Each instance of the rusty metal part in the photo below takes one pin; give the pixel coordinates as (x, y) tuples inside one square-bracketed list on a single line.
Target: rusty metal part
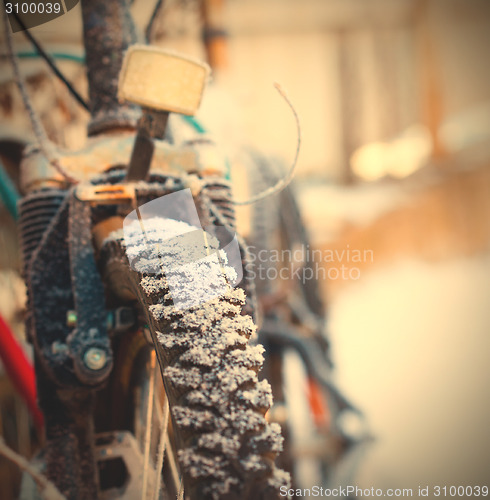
[(108, 31), (214, 34), (50, 297), (159, 81), (118, 320), (105, 193), (69, 430), (122, 319), (118, 460), (119, 451), (62, 277), (105, 152), (88, 291), (102, 230), (150, 126)]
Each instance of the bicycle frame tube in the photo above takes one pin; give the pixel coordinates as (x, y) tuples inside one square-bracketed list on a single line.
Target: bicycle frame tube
[(108, 31)]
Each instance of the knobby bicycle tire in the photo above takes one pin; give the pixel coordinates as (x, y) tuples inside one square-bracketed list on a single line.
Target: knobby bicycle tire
[(217, 403)]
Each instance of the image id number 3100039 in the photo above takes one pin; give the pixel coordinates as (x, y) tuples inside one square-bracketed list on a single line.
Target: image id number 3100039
[(35, 7)]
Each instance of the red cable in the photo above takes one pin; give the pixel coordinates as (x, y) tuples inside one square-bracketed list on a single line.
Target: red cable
[(19, 370), (318, 404)]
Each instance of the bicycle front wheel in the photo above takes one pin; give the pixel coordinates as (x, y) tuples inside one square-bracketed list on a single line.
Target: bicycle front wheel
[(226, 447)]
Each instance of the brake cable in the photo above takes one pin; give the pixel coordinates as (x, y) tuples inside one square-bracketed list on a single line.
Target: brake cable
[(50, 62), (154, 15), (45, 145)]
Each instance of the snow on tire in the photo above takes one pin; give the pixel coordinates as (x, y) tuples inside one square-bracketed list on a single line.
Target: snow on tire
[(218, 405)]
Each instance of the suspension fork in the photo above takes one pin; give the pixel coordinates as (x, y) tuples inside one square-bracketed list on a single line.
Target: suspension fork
[(108, 31)]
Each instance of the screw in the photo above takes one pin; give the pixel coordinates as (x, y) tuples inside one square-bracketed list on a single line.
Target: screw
[(95, 358), (58, 347)]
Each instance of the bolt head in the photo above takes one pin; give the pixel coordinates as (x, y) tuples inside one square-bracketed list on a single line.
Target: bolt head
[(95, 358)]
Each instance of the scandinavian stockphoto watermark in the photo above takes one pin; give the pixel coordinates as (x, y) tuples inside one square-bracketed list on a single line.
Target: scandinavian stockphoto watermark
[(165, 238), (305, 263)]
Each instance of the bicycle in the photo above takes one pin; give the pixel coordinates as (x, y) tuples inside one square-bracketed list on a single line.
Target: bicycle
[(86, 356)]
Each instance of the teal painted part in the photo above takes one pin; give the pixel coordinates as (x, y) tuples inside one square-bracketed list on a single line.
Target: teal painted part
[(198, 127), (195, 124), (228, 170), (8, 192), (54, 55)]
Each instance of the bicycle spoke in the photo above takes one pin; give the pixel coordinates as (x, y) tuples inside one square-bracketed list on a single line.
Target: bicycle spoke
[(149, 415), (161, 446), (165, 446), (173, 464), (180, 496)]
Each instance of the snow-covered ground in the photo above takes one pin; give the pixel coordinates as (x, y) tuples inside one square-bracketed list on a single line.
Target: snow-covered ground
[(412, 348)]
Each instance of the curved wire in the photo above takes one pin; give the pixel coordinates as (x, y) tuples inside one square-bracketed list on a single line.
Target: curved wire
[(47, 490), (27, 54), (151, 22), (282, 183)]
